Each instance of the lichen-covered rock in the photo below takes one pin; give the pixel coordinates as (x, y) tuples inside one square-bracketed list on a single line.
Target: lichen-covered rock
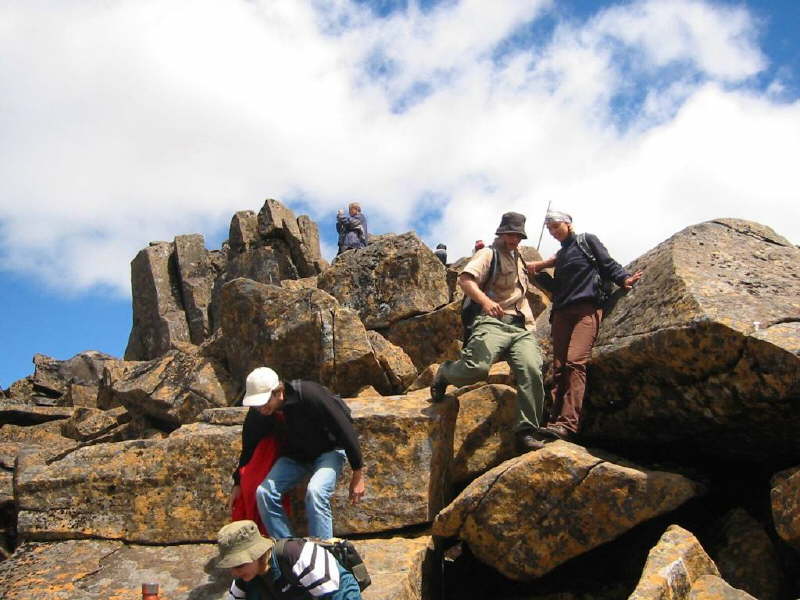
[(305, 283), (44, 436), (785, 498), (534, 512), (174, 388), (29, 414), (704, 352), (400, 568), (301, 334), (389, 280), (407, 444), (746, 557), (139, 491), (89, 423), (400, 371), (243, 232), (276, 221), (430, 338), (159, 318), (711, 587), (484, 434), (102, 569), (197, 274), (673, 565)]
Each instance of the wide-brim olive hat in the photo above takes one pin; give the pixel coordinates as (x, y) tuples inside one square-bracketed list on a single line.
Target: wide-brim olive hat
[(512, 222), (239, 543)]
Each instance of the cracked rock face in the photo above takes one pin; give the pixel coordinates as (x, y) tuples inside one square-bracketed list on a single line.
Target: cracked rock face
[(301, 333), (141, 491), (534, 512), (389, 280), (705, 350)]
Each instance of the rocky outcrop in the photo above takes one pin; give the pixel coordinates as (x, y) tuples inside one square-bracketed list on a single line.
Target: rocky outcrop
[(785, 498), (400, 568), (746, 557), (138, 491), (705, 351), (430, 338), (159, 318), (534, 512), (711, 587), (390, 280), (301, 334), (196, 274), (275, 221), (173, 389)]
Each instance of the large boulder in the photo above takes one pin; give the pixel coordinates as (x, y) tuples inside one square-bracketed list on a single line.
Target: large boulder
[(704, 353), (672, 566), (174, 388), (534, 512), (144, 491), (276, 221), (746, 556), (301, 334), (785, 497), (484, 434), (400, 371), (400, 568), (393, 279), (430, 338)]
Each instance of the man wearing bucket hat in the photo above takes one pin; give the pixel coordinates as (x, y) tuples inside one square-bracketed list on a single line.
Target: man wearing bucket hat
[(317, 436), (503, 329), (294, 569)]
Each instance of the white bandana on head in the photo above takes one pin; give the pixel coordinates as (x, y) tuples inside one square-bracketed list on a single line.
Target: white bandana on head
[(556, 216)]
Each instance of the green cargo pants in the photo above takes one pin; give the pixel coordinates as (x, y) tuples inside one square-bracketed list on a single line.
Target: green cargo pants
[(491, 340)]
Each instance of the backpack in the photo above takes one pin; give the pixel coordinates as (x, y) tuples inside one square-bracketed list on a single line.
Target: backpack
[(603, 287), (343, 551), (471, 309)]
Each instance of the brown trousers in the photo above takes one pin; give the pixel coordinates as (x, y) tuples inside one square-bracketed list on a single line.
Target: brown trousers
[(574, 330)]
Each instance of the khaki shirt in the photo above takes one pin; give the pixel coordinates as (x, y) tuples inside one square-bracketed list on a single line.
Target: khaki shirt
[(510, 285)]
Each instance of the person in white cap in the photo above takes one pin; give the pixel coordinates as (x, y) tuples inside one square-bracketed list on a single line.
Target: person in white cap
[(294, 569), (316, 434)]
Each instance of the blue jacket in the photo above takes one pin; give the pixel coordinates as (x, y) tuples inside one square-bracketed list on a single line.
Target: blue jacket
[(575, 275), (352, 231)]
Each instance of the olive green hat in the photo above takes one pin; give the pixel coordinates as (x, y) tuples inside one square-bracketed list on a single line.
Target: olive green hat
[(240, 542)]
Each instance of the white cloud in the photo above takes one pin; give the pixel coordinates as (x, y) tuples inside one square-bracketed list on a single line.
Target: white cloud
[(131, 121)]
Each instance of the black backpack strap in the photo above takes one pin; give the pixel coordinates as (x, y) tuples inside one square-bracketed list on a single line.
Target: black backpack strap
[(584, 246)]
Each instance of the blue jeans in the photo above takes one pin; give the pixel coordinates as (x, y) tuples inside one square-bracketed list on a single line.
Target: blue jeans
[(287, 473)]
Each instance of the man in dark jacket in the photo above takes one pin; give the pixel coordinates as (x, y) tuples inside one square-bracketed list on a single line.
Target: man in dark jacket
[(316, 434), (292, 570)]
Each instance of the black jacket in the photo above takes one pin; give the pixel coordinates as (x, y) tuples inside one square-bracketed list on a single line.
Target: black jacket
[(575, 275), (312, 425)]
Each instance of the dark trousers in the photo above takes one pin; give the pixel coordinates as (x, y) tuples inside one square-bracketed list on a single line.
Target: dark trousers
[(574, 330)]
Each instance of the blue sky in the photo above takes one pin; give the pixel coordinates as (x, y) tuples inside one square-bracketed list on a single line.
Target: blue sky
[(127, 121)]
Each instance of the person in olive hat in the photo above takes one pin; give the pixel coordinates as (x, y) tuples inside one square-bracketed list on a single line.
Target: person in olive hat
[(298, 568), (504, 329)]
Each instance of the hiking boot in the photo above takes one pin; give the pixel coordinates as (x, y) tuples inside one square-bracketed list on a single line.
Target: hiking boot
[(557, 432), (438, 386), (526, 442)]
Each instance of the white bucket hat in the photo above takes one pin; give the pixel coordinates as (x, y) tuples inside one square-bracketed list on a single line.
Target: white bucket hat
[(259, 386)]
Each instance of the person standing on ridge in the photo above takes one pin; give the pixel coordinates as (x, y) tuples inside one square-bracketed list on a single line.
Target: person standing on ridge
[(352, 228), (581, 264)]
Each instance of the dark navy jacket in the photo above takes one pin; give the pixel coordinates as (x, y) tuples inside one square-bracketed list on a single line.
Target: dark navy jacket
[(575, 279), (352, 231)]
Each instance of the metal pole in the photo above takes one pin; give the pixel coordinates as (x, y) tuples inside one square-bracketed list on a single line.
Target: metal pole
[(541, 233)]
